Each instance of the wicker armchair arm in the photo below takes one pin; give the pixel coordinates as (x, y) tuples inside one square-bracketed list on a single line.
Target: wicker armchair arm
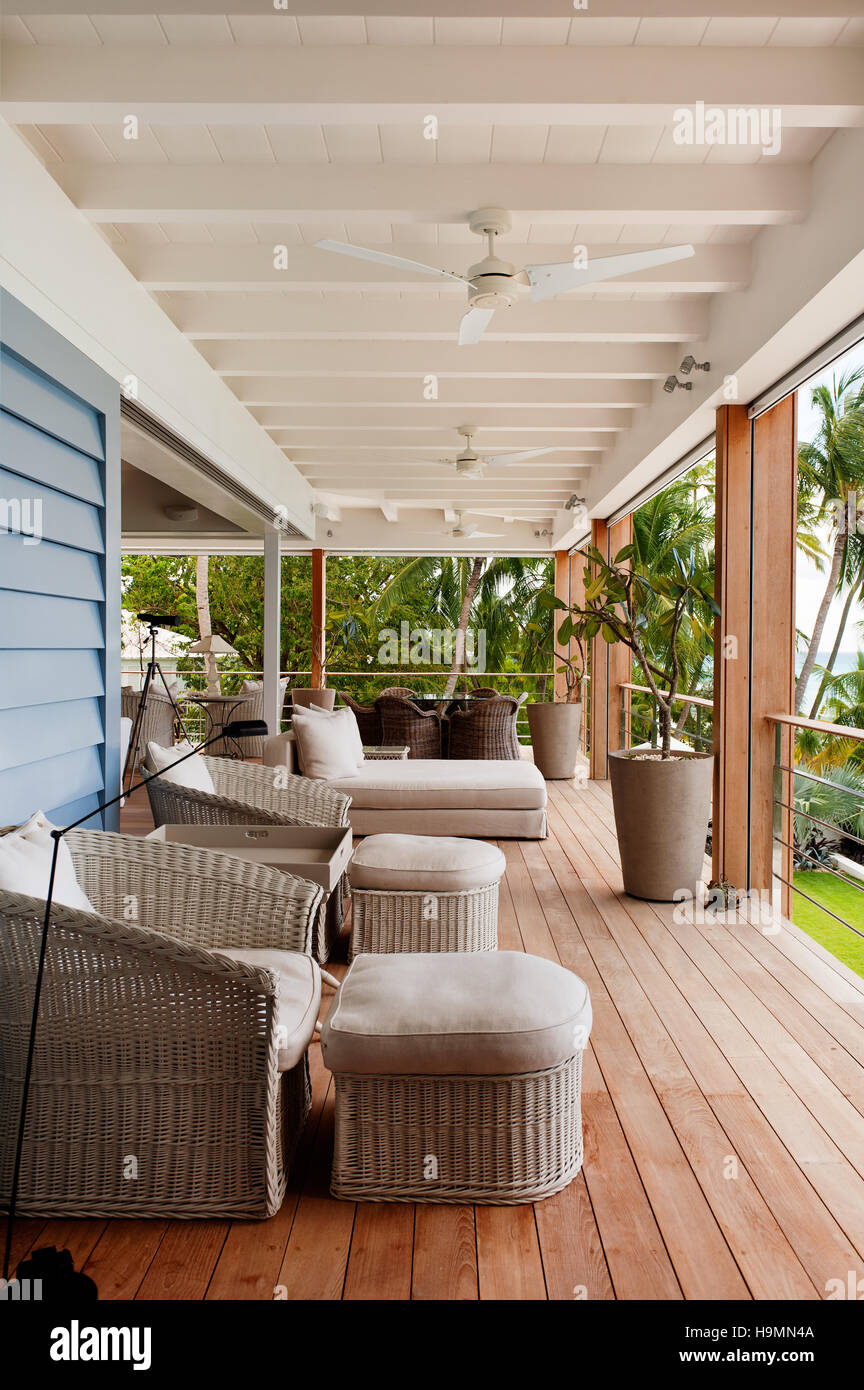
[(294, 800), (194, 895), (130, 1001)]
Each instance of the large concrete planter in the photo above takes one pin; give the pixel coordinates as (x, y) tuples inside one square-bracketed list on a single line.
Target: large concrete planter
[(304, 696), (555, 730), (661, 816)]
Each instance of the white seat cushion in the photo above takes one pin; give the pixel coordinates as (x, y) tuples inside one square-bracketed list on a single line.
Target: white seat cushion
[(299, 996), (425, 863), (441, 784), (192, 772), (493, 1013)]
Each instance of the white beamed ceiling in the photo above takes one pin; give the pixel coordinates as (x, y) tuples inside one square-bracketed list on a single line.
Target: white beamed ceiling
[(259, 130)]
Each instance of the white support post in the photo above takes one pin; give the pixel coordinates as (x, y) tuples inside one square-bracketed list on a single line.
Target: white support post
[(272, 628)]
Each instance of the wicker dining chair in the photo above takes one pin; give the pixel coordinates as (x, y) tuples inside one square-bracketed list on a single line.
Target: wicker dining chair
[(250, 795), (403, 722), (157, 726), (367, 716), (152, 1045), (487, 729), (483, 692), (399, 692)]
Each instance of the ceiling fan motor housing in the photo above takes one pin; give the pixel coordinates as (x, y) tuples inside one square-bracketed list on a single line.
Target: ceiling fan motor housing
[(470, 467), (492, 284)]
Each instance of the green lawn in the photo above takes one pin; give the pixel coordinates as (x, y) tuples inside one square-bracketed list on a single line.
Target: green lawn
[(840, 896)]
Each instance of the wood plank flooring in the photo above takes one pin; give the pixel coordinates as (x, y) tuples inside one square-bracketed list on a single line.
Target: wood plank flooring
[(723, 1112)]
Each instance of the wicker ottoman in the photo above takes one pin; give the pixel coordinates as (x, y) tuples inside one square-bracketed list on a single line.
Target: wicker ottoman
[(457, 1078), (424, 893)]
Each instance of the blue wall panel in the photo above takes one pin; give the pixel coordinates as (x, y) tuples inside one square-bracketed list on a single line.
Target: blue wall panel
[(49, 569), (59, 578)]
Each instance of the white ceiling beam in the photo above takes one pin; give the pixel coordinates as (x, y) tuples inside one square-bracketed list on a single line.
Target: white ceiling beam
[(509, 9), (364, 400), (280, 395), (567, 84), (360, 374), (205, 267), (283, 318), (275, 394), (406, 432), (655, 194)]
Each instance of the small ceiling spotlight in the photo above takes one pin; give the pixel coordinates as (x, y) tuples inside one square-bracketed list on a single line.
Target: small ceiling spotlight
[(691, 365), (672, 381), (574, 501)]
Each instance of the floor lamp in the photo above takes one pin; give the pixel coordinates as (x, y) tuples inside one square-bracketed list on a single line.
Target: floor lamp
[(238, 728)]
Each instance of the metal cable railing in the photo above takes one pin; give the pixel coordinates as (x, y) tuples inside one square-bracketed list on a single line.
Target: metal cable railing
[(790, 855)]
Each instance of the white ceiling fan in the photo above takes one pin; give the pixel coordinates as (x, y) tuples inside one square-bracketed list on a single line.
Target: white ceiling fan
[(468, 464), (466, 531), (493, 283)]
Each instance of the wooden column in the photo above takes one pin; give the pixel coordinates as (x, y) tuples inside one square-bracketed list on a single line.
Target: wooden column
[(319, 618), (577, 597), (775, 515), (620, 656), (732, 535), (272, 629), (598, 733), (562, 591), (754, 645)]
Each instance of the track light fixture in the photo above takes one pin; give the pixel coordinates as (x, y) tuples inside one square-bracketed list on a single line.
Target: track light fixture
[(672, 381), (691, 365)]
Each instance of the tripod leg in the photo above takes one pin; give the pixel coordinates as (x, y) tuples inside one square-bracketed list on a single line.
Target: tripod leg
[(135, 735)]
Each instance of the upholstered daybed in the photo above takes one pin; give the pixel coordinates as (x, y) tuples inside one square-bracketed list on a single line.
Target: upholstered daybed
[(436, 796)]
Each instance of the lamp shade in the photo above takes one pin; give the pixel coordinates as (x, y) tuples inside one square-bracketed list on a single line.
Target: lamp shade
[(216, 645)]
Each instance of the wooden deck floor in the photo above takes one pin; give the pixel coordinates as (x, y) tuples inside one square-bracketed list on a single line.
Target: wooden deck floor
[(723, 1114)]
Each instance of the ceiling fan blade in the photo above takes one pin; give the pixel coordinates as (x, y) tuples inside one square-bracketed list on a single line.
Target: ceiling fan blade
[(517, 458), (487, 536), (549, 280), (473, 325), (362, 253)]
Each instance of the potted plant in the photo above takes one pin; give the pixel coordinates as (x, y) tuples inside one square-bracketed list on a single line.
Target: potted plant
[(556, 724), (339, 630), (661, 797)]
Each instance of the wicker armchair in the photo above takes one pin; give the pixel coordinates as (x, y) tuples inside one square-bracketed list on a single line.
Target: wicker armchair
[(152, 1046), (403, 722), (368, 719), (487, 729), (253, 708), (158, 722), (250, 795)]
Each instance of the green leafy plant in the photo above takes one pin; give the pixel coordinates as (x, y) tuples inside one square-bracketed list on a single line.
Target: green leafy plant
[(616, 600), (540, 634)]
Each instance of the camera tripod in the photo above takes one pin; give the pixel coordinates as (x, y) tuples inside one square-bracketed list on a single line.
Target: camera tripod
[(153, 670)]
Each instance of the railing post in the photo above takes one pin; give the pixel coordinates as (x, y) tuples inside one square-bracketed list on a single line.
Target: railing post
[(272, 629), (319, 619)]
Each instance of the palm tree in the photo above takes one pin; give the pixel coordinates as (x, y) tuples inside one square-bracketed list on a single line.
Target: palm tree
[(830, 477), (457, 592)]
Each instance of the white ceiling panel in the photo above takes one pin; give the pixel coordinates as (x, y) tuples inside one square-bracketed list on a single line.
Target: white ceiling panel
[(331, 352)]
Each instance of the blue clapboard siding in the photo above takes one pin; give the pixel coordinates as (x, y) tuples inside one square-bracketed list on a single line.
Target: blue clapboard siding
[(29, 394), (49, 460), (50, 569), (36, 672), (59, 582)]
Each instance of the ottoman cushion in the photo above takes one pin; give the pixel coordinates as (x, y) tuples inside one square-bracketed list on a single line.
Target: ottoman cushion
[(299, 996), (425, 863), (493, 1013)]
